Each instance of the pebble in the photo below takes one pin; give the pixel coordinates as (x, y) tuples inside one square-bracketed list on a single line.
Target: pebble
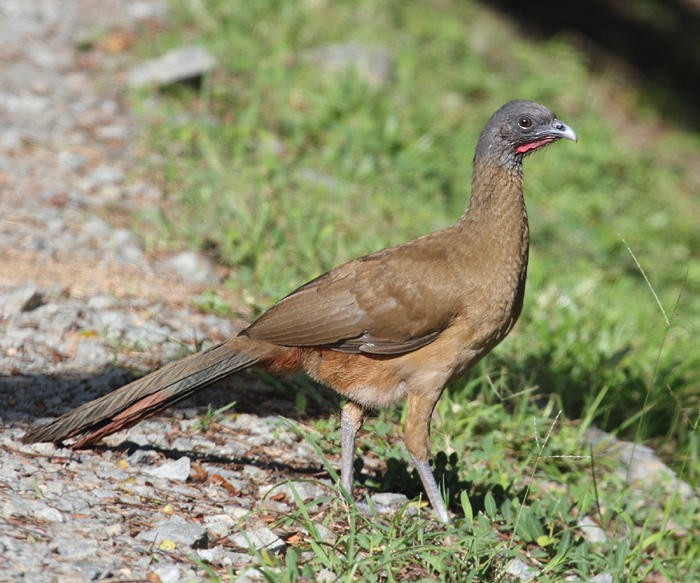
[(125, 245), (219, 525), (49, 514), (173, 573), (591, 531), (251, 575), (323, 532), (386, 503), (306, 490), (177, 530), (255, 473), (637, 463), (192, 268), (178, 470), (521, 570), (373, 64), (71, 161), (151, 10), (258, 539), (101, 302), (175, 66), (326, 576), (103, 175), (21, 299)]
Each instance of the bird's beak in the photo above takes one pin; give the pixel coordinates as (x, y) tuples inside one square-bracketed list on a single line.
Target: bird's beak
[(560, 130)]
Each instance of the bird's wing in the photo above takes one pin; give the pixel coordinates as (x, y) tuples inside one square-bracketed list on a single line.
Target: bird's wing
[(391, 302)]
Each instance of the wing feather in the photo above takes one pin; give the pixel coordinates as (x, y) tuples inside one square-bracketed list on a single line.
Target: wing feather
[(391, 302)]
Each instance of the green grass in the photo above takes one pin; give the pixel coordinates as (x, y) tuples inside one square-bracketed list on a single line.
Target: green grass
[(281, 170)]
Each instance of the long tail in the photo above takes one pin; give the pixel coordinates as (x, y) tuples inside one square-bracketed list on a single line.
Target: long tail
[(145, 396)]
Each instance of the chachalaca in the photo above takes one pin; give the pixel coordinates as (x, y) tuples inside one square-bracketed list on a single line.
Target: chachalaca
[(401, 322)]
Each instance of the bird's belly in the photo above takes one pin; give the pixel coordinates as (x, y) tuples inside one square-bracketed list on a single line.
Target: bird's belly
[(370, 380)]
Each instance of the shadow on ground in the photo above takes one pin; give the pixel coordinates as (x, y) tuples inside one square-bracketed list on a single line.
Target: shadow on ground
[(28, 397)]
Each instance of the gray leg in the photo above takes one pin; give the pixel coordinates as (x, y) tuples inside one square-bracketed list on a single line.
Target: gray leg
[(417, 438), (431, 489), (351, 420)]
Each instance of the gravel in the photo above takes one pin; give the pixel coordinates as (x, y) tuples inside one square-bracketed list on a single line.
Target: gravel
[(83, 309)]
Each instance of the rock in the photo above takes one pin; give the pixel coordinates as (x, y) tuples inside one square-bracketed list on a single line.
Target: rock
[(260, 538), (324, 533), (103, 175), (20, 299), (173, 573), (389, 500), (112, 132), (637, 462), (185, 64), (226, 558), (71, 161), (385, 503), (521, 570), (591, 531), (107, 194), (144, 10), (219, 525), (255, 473), (10, 139), (177, 530), (174, 470), (49, 514), (326, 576), (236, 512), (125, 245), (305, 490), (72, 547), (101, 302), (192, 267), (251, 575), (95, 228), (374, 65), (601, 578), (69, 574), (92, 571)]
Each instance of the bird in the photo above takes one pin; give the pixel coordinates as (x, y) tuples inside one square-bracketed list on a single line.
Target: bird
[(399, 323)]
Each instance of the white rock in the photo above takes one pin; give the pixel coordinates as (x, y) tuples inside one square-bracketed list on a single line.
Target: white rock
[(177, 530), (192, 267), (48, 513), (521, 570), (175, 470), (21, 299), (260, 538), (591, 531), (181, 64)]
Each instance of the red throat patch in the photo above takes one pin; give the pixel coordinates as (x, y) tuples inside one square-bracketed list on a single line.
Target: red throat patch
[(529, 146)]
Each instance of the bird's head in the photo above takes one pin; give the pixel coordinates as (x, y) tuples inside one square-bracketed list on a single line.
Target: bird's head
[(519, 128)]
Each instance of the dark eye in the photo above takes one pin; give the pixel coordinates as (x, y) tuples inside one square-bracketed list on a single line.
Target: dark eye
[(524, 122)]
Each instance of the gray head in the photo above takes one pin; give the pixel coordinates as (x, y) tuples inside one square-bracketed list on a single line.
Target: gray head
[(517, 129)]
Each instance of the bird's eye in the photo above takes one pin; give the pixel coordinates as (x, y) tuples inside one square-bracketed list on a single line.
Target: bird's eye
[(524, 122)]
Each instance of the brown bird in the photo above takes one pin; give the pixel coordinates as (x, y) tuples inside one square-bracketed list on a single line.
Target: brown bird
[(401, 322)]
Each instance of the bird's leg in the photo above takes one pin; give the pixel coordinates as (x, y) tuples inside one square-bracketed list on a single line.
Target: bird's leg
[(417, 438), (351, 420), (431, 489)]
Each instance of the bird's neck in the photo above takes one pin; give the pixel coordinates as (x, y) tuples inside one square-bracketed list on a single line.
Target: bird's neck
[(496, 214)]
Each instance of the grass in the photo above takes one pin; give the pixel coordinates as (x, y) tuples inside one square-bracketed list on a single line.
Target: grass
[(281, 170)]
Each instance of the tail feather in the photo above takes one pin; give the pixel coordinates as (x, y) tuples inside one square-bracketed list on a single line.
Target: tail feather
[(143, 397)]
